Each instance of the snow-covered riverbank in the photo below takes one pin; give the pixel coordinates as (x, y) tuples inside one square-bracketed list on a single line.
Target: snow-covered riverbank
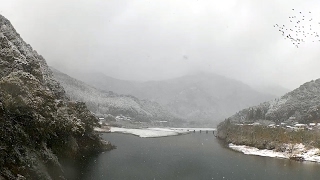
[(102, 129), (294, 151), (153, 132), (149, 132)]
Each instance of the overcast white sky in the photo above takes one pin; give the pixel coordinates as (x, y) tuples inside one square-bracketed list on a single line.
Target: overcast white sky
[(159, 39)]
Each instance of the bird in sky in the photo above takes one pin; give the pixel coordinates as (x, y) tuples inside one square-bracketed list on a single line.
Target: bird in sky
[(302, 29)]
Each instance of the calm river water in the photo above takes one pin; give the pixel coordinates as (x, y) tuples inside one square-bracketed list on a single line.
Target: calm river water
[(192, 156)]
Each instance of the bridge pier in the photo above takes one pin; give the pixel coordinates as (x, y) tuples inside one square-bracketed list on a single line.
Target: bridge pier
[(200, 130)]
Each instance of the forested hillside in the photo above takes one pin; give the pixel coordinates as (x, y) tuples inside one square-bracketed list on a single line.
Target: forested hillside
[(39, 125), (106, 103), (301, 105), (203, 98)]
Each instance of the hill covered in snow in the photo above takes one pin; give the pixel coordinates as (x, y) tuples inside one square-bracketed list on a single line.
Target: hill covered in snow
[(200, 99), (107, 103), (39, 124), (291, 119), (300, 105)]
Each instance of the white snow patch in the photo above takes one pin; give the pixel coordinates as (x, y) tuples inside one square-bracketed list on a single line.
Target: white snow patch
[(149, 132), (255, 151), (103, 130), (195, 129), (292, 150)]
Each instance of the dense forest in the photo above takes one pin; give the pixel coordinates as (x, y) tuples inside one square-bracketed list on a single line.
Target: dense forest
[(39, 125)]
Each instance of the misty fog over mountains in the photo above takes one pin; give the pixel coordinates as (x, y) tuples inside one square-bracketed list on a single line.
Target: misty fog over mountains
[(155, 69), (109, 105), (199, 99)]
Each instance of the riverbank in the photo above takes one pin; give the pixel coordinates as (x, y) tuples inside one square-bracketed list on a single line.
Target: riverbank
[(153, 132), (297, 152)]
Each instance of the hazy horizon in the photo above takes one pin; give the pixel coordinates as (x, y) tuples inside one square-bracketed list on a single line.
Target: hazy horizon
[(76, 72), (156, 40)]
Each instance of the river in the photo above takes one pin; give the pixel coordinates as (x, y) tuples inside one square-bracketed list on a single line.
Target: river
[(191, 156)]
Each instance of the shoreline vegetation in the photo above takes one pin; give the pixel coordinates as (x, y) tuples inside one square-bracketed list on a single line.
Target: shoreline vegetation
[(300, 145)]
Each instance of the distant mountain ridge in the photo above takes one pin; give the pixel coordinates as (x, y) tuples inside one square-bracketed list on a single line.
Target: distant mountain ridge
[(301, 105), (107, 102), (201, 98), (274, 89)]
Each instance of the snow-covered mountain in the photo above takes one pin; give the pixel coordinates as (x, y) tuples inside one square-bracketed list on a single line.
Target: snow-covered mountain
[(301, 105), (38, 123), (202, 98), (104, 103)]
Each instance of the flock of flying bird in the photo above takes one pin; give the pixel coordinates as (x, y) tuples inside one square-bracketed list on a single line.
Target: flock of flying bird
[(300, 29)]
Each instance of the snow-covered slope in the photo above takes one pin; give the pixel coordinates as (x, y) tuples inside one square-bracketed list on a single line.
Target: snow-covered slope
[(103, 102), (301, 105), (38, 123), (200, 98), (273, 127)]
